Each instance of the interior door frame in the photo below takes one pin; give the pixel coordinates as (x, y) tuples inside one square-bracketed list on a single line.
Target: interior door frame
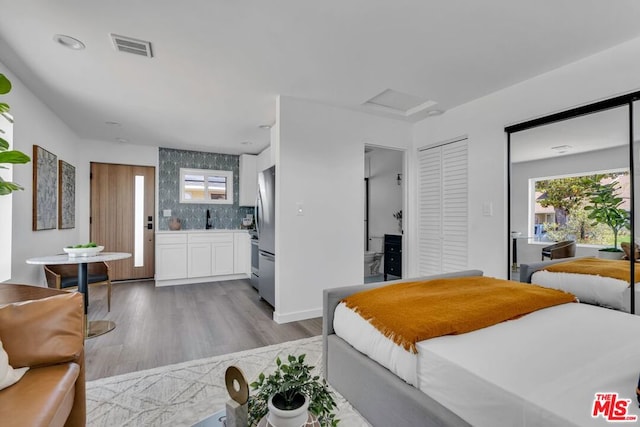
[(406, 217), (571, 113)]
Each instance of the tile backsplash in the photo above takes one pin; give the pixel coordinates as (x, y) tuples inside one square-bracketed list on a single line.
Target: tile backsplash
[(193, 215)]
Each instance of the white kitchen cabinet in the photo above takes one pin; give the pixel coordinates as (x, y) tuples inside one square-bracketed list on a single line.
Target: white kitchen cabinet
[(197, 256), (248, 180), (171, 256), (199, 259), (242, 254), (210, 254), (222, 255), (266, 159)]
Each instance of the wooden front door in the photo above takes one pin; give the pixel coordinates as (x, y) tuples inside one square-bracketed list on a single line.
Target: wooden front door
[(122, 216)]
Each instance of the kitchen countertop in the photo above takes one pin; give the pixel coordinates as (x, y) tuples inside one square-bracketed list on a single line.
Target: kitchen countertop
[(213, 230)]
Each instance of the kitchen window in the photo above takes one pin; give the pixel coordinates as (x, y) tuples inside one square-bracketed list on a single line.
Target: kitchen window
[(206, 186)]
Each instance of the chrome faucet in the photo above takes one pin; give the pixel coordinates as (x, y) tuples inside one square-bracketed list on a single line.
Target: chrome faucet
[(208, 225)]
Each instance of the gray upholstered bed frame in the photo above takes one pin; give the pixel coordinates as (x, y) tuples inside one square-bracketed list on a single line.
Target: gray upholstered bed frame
[(526, 270), (380, 396)]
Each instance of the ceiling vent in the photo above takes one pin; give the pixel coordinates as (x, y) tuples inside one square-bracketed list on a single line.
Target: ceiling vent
[(399, 103), (130, 45)]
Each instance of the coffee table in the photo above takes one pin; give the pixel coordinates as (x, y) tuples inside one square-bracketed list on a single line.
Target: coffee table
[(214, 420), (217, 420)]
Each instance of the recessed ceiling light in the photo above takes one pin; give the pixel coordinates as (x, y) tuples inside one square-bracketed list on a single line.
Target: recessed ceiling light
[(68, 41), (246, 143), (110, 123), (265, 126), (123, 140)]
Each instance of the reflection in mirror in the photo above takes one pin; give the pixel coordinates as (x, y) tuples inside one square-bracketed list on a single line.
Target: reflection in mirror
[(206, 186), (555, 170), (636, 169)]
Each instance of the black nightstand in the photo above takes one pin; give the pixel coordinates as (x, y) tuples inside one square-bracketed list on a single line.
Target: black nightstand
[(392, 255)]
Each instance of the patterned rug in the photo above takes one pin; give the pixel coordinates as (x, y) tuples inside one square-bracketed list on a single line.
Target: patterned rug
[(185, 393)]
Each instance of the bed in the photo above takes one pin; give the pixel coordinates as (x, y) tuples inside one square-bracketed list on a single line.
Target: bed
[(499, 375), (593, 289)]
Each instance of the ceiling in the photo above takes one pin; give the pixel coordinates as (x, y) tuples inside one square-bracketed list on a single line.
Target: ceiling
[(218, 65), (592, 132)]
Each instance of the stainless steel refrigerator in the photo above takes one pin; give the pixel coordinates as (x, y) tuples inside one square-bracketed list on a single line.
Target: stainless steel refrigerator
[(265, 225)]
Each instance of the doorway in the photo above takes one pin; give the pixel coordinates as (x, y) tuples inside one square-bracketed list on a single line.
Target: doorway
[(122, 216), (384, 200)]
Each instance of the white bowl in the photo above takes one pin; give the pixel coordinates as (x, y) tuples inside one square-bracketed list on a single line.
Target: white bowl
[(83, 252)]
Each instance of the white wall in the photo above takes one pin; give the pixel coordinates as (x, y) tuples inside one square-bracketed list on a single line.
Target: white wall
[(106, 152), (385, 195), (6, 173), (611, 159), (35, 124), (604, 75), (319, 162)]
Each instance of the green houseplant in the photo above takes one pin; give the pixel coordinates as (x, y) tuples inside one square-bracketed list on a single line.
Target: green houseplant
[(290, 387), (605, 209), (8, 156), (398, 216)]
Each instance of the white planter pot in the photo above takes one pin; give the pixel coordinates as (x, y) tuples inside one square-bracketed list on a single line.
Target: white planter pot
[(610, 255), (284, 418)]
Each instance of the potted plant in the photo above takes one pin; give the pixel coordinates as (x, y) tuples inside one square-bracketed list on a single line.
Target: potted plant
[(8, 156), (289, 393), (605, 209), (398, 216)]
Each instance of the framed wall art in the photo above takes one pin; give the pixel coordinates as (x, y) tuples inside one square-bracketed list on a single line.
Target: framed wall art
[(66, 195), (45, 193)]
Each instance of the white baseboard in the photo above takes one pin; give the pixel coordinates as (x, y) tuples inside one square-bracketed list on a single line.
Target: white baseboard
[(185, 281), (296, 315)]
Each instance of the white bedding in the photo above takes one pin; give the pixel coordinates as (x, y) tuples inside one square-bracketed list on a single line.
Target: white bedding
[(542, 369), (352, 328), (589, 288)]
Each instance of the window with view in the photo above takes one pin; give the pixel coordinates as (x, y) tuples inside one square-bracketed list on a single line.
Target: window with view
[(206, 186), (591, 209)]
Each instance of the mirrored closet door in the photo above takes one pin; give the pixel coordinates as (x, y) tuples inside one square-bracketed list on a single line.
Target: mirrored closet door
[(571, 187)]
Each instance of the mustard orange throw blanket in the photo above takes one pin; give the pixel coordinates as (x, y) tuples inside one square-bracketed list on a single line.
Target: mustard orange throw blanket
[(411, 312), (616, 269)]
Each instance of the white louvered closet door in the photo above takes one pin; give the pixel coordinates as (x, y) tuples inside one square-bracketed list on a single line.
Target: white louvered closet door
[(443, 208)]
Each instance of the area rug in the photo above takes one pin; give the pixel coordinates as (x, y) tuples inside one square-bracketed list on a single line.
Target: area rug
[(185, 393)]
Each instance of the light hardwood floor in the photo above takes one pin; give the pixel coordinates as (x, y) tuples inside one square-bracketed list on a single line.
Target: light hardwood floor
[(165, 325)]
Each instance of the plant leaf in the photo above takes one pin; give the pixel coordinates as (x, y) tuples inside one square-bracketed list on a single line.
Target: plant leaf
[(14, 156), (4, 108), (4, 145), (5, 85), (8, 187)]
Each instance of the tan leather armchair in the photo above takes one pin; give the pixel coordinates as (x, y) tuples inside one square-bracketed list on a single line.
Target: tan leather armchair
[(566, 249), (65, 276), (44, 329), (626, 247)]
